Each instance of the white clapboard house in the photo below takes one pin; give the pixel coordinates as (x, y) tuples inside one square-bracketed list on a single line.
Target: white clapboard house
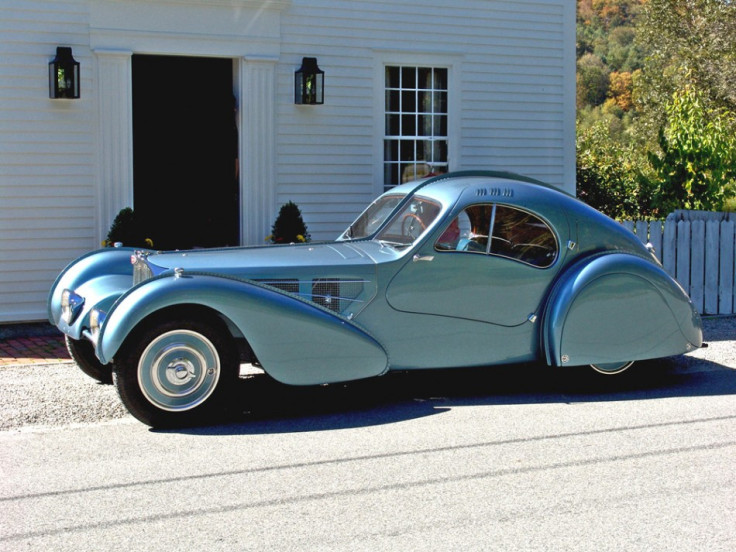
[(206, 115)]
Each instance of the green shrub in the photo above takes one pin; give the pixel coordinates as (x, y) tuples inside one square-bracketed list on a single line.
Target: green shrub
[(126, 229), (608, 175), (696, 165), (289, 226)]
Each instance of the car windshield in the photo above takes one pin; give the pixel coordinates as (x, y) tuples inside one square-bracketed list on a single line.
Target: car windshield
[(405, 226), (372, 218)]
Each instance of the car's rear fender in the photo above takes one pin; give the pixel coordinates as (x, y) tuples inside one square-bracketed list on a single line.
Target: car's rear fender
[(616, 307), (103, 274), (296, 341)]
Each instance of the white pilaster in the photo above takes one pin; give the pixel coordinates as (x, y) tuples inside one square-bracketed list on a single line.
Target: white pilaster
[(257, 148), (115, 135)]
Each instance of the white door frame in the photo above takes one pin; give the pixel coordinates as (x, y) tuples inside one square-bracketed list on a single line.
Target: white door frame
[(218, 26)]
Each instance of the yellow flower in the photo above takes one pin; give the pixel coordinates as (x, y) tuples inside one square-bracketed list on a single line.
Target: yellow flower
[(300, 238), (149, 242)]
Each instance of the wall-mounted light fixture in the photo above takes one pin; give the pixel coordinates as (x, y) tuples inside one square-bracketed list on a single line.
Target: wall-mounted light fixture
[(64, 75), (309, 83)]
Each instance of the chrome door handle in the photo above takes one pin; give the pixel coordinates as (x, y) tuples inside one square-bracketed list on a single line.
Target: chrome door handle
[(426, 258)]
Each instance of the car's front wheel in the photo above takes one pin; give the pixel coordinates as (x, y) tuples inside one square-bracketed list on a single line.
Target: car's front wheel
[(83, 353), (611, 368), (176, 373)]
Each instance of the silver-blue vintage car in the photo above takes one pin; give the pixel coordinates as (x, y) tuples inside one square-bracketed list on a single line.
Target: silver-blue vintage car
[(464, 269)]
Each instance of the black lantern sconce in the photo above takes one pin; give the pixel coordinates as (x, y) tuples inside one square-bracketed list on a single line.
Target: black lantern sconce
[(309, 83), (64, 75)]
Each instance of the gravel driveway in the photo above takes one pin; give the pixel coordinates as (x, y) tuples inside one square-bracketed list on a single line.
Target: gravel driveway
[(60, 394)]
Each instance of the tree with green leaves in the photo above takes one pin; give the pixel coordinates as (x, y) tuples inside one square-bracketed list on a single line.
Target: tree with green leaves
[(665, 133), (608, 176), (609, 60), (689, 43), (696, 168), (592, 79)]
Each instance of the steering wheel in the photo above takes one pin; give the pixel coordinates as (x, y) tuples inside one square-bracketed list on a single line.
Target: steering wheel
[(412, 226)]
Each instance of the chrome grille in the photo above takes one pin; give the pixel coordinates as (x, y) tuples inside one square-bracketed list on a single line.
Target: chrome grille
[(141, 272)]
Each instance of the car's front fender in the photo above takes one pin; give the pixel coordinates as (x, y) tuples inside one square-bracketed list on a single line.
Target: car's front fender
[(617, 307), (296, 342), (109, 267)]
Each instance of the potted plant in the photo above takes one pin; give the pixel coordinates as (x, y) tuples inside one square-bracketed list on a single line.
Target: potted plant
[(289, 226), (126, 230)]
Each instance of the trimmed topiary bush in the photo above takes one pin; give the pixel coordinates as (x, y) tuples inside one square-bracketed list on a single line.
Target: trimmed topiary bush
[(289, 226), (127, 230)]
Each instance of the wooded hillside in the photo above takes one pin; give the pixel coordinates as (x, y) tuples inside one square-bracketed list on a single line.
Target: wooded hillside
[(656, 105)]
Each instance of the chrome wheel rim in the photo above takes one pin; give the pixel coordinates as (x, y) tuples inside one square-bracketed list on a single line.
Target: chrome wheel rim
[(610, 368), (178, 370)]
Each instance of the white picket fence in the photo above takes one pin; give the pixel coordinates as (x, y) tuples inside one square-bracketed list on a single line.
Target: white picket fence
[(697, 249)]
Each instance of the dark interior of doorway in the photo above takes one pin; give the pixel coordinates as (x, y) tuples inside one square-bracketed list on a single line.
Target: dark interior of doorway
[(185, 145)]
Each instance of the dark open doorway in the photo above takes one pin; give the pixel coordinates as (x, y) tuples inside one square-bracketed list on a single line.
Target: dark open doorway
[(185, 144)]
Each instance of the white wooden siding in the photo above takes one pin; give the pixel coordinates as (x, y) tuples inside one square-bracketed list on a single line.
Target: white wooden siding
[(510, 65), (511, 105), (47, 154)]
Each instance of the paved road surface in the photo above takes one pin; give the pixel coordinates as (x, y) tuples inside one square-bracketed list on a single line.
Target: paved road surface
[(502, 459)]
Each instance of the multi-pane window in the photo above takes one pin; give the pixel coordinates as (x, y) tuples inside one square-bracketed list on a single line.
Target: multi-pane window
[(415, 141)]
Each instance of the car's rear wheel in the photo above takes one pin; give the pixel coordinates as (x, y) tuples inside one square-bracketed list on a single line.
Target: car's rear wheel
[(176, 373), (612, 368), (83, 353)]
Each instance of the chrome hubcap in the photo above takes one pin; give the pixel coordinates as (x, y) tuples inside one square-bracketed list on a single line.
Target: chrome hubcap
[(179, 370)]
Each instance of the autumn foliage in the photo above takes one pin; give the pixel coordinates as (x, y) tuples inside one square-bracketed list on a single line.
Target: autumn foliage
[(656, 105)]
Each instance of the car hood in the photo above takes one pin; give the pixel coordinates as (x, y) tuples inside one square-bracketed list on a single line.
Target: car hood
[(340, 276), (256, 260)]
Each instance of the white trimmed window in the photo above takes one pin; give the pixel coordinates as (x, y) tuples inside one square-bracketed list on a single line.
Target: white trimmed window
[(415, 136)]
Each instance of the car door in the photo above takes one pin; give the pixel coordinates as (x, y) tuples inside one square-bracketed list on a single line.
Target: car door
[(491, 264)]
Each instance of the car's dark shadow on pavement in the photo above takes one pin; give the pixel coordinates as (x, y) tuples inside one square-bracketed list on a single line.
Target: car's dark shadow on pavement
[(263, 406)]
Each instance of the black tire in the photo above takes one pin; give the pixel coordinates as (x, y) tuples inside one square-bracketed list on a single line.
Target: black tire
[(83, 353), (612, 368), (177, 373)]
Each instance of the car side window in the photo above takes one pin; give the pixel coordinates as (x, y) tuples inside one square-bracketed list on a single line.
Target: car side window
[(516, 235), (468, 231), (522, 236)]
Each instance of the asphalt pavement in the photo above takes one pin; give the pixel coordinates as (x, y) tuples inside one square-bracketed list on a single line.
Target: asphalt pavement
[(517, 458)]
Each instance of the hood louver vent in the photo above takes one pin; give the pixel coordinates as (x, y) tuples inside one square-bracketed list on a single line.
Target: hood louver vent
[(330, 293), (287, 285), (335, 294)]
